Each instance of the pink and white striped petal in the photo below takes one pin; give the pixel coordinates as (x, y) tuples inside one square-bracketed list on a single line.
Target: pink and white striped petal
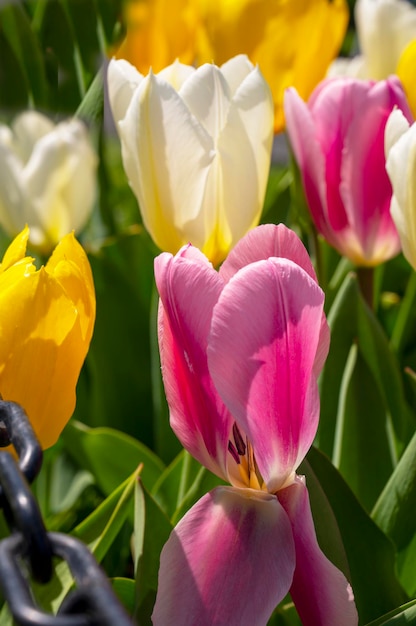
[(267, 240), (321, 593), (189, 288), (230, 560), (262, 352)]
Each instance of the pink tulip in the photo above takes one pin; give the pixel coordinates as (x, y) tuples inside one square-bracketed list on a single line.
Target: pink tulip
[(338, 142), (241, 350)]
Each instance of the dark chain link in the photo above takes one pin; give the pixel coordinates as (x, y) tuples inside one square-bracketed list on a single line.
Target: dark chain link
[(30, 549)]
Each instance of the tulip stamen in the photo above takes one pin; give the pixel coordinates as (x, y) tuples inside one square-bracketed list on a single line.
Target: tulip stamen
[(243, 454)]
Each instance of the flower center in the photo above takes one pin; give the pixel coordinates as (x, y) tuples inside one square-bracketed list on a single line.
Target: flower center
[(242, 453)]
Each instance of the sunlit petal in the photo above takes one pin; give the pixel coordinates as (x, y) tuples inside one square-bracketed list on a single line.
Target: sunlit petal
[(189, 289), (320, 591), (261, 353), (230, 560)]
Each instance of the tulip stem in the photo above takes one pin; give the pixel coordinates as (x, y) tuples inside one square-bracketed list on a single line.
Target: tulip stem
[(365, 277)]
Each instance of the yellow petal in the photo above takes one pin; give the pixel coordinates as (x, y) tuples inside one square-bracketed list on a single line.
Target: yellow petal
[(406, 71), (16, 251), (158, 32), (46, 324), (293, 41)]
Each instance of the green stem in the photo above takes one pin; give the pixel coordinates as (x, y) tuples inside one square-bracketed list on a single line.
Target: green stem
[(365, 277)]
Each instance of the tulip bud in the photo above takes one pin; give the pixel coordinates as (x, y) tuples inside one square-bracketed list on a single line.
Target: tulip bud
[(196, 147), (47, 319), (47, 178), (338, 142), (401, 168)]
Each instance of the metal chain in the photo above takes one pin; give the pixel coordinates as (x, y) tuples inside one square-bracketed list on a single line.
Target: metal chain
[(30, 549)]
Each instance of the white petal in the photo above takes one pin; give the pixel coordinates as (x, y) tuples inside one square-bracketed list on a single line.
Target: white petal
[(60, 182), (396, 126), (28, 128), (122, 80), (245, 148), (176, 74), (12, 196), (167, 156), (236, 70), (207, 95), (401, 167)]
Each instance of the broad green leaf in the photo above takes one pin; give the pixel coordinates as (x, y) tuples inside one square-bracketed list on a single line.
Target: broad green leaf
[(157, 529), (110, 455), (361, 450), (371, 556), (394, 512), (124, 589), (116, 377), (351, 321)]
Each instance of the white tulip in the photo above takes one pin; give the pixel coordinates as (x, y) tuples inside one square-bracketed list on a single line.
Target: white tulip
[(196, 147), (47, 178), (400, 142)]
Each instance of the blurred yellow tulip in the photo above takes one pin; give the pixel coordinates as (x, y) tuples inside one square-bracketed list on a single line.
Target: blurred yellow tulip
[(293, 41), (158, 32), (46, 324), (406, 70)]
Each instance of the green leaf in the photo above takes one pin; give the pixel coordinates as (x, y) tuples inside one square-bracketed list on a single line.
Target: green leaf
[(53, 28), (361, 450), (17, 29), (116, 374), (371, 556), (124, 589), (157, 529), (110, 455), (402, 616), (352, 322), (182, 483), (394, 513), (98, 531), (91, 108)]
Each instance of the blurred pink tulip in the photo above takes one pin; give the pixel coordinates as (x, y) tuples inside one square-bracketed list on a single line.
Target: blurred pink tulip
[(338, 142), (241, 351)]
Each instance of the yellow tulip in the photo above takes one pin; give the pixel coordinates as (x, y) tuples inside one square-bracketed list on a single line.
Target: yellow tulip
[(158, 32), (293, 41), (406, 70), (46, 323)]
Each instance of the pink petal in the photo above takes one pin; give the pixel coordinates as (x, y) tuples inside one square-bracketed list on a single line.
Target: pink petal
[(262, 354), (365, 186), (230, 561), (309, 156), (267, 240), (321, 593), (189, 288)]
